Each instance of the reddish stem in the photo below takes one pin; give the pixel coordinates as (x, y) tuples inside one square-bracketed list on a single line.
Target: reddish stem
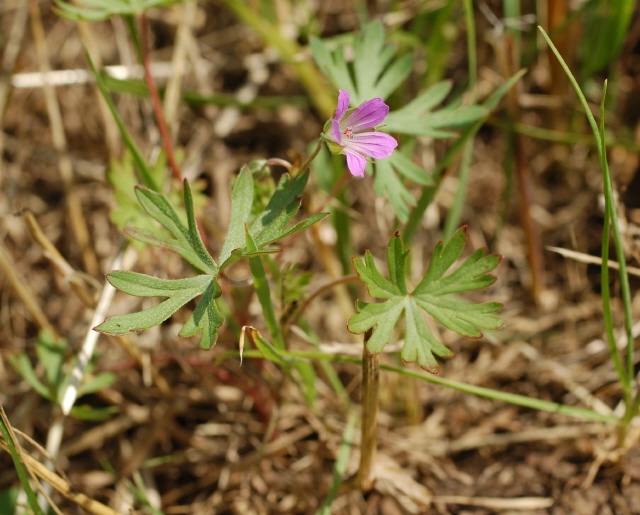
[(155, 100)]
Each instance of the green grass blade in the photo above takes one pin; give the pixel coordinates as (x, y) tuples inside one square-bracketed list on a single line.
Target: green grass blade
[(7, 435), (611, 221), (340, 467), (478, 391), (263, 291), (144, 169)]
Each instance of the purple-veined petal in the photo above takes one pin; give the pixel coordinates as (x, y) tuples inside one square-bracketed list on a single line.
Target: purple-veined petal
[(335, 131), (355, 162), (367, 116), (375, 144), (343, 104)]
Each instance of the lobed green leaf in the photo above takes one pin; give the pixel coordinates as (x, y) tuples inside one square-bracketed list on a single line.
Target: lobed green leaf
[(179, 291), (432, 295)]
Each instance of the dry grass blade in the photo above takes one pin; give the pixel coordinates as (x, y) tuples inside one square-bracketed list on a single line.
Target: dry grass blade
[(591, 260), (23, 291), (78, 222), (10, 55), (63, 486)]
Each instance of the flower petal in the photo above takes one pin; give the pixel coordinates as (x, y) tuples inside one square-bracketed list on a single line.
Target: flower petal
[(335, 131), (355, 162), (375, 144), (367, 116), (343, 104)]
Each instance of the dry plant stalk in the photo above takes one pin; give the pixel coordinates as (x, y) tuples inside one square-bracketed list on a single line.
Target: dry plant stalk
[(78, 222)]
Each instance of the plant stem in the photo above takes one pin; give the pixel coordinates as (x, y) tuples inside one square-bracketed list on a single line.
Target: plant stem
[(155, 100), (306, 164), (369, 425)]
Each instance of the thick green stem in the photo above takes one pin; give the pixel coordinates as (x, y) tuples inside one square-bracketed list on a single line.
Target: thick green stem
[(369, 425)]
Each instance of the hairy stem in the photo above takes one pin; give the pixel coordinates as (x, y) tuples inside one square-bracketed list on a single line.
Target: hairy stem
[(369, 425)]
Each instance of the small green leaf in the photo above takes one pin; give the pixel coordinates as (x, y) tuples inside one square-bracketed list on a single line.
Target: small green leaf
[(382, 318), (284, 196), (431, 295), (206, 317), (22, 365), (397, 261), (419, 344), (241, 202), (96, 383), (333, 64), (431, 123), (91, 413), (268, 350), (186, 240), (50, 354), (388, 181)]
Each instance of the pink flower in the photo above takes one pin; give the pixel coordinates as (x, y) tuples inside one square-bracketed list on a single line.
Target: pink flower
[(352, 132)]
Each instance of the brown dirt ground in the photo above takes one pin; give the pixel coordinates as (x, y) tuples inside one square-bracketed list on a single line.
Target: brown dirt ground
[(242, 440)]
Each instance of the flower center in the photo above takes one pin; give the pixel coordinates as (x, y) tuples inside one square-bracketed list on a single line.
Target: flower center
[(348, 133)]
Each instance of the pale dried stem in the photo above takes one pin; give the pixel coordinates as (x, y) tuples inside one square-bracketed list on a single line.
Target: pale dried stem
[(111, 134), (172, 95), (25, 294), (9, 58), (78, 223), (125, 257), (71, 276)]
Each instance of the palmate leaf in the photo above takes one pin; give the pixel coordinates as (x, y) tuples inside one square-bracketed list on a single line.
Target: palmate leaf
[(373, 73), (184, 239), (433, 294), (388, 181), (418, 117)]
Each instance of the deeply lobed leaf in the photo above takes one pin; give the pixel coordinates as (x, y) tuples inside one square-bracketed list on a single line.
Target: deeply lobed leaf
[(270, 226), (432, 295)]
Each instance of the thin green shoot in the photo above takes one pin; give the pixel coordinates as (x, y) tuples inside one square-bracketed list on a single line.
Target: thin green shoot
[(611, 223)]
